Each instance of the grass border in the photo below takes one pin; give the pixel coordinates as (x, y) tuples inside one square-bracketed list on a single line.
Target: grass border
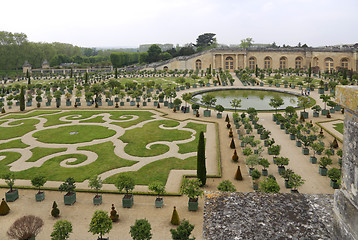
[(329, 132)]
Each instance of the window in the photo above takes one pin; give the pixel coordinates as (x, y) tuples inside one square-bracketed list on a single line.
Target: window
[(267, 63), (344, 63), (315, 62), (229, 63), (283, 62), (298, 63), (328, 63), (198, 64), (252, 63)]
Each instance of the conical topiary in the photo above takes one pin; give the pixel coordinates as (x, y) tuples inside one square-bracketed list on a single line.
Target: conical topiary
[(228, 125), (227, 118), (3, 110), (328, 115), (238, 175), (232, 144), (230, 133), (114, 216), (235, 157), (302, 118), (55, 212), (175, 217), (334, 143), (4, 208), (158, 106)]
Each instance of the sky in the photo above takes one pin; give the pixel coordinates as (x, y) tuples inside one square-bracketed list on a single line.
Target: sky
[(118, 23)]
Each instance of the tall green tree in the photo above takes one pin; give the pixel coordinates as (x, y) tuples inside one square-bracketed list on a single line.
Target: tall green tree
[(201, 166), (246, 43), (154, 53), (141, 230), (61, 230), (101, 223), (205, 41), (22, 99)]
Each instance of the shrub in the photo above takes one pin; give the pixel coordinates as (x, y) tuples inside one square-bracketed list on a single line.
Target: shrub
[(25, 227), (324, 162), (157, 187), (334, 174), (183, 231), (55, 212), (247, 151), (281, 161), (264, 163), (175, 217), (126, 183), (295, 181), (226, 186), (235, 157), (68, 186), (255, 174), (4, 208), (114, 216), (252, 160), (141, 230), (191, 188), (38, 181), (100, 223), (61, 230), (269, 185)]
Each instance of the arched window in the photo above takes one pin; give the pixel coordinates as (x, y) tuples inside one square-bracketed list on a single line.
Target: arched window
[(283, 62), (328, 62), (344, 63), (267, 62), (252, 63), (198, 64), (298, 63), (229, 63), (315, 62)]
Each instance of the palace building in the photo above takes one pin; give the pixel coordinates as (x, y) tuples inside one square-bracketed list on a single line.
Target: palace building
[(321, 59)]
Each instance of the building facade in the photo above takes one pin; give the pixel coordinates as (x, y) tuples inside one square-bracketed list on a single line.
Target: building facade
[(321, 59)]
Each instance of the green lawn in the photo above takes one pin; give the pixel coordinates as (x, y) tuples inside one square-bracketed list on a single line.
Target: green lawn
[(73, 134), (20, 128), (338, 127), (13, 144)]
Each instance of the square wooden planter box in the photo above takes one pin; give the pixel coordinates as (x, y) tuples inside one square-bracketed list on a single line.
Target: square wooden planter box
[(12, 196), (40, 196), (127, 201), (159, 202), (70, 198), (313, 160), (322, 171), (97, 200), (193, 204)]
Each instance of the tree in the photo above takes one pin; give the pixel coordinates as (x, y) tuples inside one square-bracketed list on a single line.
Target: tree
[(183, 231), (226, 186), (68, 186), (101, 223), (246, 43), (95, 183), (157, 187), (22, 99), (191, 188), (141, 230), (303, 101), (201, 168), (154, 52), (38, 181), (276, 102), (125, 182), (236, 103), (269, 185), (208, 100), (205, 41), (25, 227), (61, 230)]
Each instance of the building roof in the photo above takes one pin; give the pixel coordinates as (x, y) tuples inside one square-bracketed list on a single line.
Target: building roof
[(27, 64), (45, 62), (267, 216)]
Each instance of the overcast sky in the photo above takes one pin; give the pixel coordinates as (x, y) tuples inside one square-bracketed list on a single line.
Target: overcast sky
[(114, 23)]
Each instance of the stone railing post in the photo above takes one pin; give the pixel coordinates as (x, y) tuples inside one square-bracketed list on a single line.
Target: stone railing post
[(346, 198)]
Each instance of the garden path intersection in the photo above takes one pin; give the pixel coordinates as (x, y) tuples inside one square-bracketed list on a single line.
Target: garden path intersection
[(108, 123)]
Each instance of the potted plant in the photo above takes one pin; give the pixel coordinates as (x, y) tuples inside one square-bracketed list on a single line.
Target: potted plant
[(281, 163), (208, 100), (226, 186), (332, 104), (191, 188), (159, 189), (316, 109), (69, 187), (141, 230), (274, 150), (12, 194), (219, 109), (252, 160), (265, 164), (195, 108), (127, 183), (334, 174), (38, 182), (317, 148), (100, 224), (304, 102), (61, 230), (295, 182), (96, 183), (255, 175), (325, 99), (323, 163), (269, 185), (286, 175), (293, 131)]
